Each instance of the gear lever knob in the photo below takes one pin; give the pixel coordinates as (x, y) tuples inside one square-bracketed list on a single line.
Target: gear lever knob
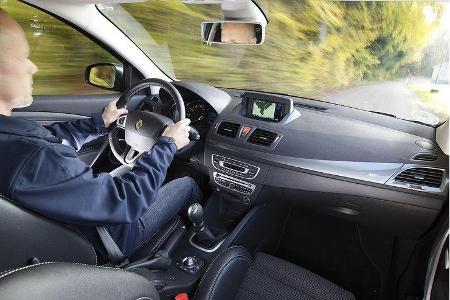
[(203, 236), (195, 214)]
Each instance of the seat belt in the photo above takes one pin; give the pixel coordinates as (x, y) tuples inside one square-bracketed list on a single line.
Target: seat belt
[(115, 255)]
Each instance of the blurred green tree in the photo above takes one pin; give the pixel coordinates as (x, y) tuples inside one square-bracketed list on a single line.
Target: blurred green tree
[(311, 47)]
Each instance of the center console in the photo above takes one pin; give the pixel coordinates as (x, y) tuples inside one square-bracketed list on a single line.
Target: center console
[(236, 180), (234, 175), (234, 184), (241, 209), (190, 258), (234, 167)]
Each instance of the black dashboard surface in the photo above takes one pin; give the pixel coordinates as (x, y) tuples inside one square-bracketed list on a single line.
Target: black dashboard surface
[(340, 161), (324, 138), (334, 159), (331, 132), (321, 137)]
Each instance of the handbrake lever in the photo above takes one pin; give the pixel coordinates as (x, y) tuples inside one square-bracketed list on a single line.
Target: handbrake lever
[(162, 258)]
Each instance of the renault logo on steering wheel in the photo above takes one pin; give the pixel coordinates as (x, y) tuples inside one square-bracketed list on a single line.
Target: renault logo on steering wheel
[(139, 124)]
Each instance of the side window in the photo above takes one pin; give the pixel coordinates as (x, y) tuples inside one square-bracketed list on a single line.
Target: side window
[(60, 52)]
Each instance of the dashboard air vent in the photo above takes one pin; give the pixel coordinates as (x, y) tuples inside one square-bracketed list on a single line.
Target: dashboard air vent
[(262, 137), (421, 176), (228, 129), (425, 157)]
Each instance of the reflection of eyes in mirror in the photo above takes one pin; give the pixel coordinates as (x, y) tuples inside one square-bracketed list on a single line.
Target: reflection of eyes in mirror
[(238, 33), (103, 76)]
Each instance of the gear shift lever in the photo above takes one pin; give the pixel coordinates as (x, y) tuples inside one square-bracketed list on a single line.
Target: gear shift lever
[(195, 213), (203, 235)]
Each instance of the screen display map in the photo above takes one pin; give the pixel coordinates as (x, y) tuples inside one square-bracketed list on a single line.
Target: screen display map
[(268, 110), (264, 109)]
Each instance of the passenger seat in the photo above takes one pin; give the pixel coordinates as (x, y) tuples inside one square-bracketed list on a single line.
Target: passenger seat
[(235, 275)]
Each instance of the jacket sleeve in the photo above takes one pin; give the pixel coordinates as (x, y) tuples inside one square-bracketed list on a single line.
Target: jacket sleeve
[(63, 188), (79, 132)]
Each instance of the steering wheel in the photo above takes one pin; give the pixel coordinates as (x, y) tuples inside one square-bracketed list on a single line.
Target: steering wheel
[(140, 129)]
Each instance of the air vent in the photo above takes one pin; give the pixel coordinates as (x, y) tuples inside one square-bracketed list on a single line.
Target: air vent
[(310, 107), (228, 129), (262, 137), (421, 176), (425, 157)]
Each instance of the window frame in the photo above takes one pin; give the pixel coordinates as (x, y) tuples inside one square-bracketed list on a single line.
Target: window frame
[(130, 73)]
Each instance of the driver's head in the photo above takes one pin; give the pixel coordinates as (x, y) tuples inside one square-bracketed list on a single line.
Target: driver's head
[(16, 70), (239, 33)]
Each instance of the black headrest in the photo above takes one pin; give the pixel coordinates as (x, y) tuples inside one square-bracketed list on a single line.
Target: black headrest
[(55, 281), (25, 235)]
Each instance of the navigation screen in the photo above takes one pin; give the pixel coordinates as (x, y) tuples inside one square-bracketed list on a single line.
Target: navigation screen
[(267, 110)]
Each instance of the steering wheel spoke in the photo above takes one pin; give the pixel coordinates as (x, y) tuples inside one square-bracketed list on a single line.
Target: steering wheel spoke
[(121, 121), (130, 155)]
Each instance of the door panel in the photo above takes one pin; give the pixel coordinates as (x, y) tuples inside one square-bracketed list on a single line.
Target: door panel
[(47, 110), (75, 105), (46, 118), (436, 283)]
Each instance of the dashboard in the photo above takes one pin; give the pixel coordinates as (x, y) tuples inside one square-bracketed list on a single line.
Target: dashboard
[(370, 169)]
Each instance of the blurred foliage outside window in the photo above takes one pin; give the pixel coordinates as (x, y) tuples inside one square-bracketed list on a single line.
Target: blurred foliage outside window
[(60, 52), (319, 49)]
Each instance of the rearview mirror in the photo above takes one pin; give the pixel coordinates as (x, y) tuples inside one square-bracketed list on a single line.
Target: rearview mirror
[(105, 76), (232, 32)]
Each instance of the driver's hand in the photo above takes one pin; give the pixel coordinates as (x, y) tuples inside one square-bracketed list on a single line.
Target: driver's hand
[(179, 132), (111, 113)]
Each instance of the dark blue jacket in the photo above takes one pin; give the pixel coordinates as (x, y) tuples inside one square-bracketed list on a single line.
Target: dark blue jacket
[(40, 172)]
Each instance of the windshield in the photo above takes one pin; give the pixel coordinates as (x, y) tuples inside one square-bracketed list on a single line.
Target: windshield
[(388, 57)]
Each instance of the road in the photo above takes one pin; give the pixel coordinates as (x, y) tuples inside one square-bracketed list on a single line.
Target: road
[(392, 97)]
